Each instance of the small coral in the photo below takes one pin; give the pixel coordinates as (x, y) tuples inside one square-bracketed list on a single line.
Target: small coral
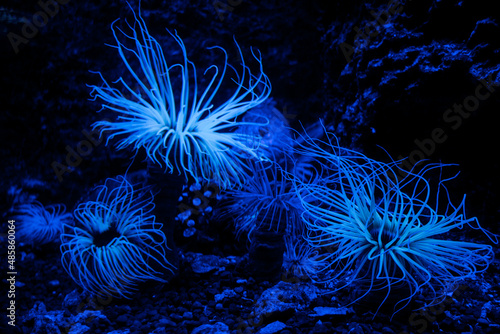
[(300, 259), (39, 225), (115, 243)]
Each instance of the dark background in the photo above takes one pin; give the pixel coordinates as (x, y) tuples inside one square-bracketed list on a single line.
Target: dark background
[(392, 92)]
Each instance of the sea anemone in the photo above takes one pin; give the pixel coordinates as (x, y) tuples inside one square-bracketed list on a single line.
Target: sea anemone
[(382, 232), (267, 201), (300, 259), (269, 138), (177, 126), (39, 225), (115, 243)]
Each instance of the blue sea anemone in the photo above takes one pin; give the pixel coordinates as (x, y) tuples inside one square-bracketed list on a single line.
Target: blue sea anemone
[(179, 127), (300, 259), (267, 201), (381, 232), (39, 225), (115, 243)]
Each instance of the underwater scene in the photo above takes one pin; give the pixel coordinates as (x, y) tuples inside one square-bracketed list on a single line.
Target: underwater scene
[(244, 166)]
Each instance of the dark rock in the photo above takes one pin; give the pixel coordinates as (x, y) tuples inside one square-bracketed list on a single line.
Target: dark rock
[(166, 322), (187, 315), (197, 304), (79, 329), (217, 328), (120, 331), (181, 309), (387, 330), (191, 323), (319, 327), (355, 328), (272, 328), (73, 299), (122, 319), (88, 316), (159, 330), (203, 264), (266, 255), (46, 321), (234, 308), (230, 322), (176, 317), (283, 300), (225, 295), (322, 311)]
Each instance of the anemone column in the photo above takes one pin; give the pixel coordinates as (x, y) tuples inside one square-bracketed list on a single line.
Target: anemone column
[(167, 188), (266, 255)]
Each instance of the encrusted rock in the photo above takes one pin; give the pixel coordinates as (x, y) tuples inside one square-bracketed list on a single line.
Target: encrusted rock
[(283, 300), (228, 293), (272, 328), (323, 311), (217, 328), (203, 264)]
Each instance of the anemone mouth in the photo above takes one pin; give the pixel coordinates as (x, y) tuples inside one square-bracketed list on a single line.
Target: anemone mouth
[(383, 237), (382, 232), (104, 238)]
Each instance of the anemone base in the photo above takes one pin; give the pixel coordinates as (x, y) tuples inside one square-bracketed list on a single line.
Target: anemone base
[(167, 188), (266, 256)]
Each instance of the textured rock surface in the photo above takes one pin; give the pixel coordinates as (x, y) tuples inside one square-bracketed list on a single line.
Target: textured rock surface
[(396, 87), (283, 299)]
